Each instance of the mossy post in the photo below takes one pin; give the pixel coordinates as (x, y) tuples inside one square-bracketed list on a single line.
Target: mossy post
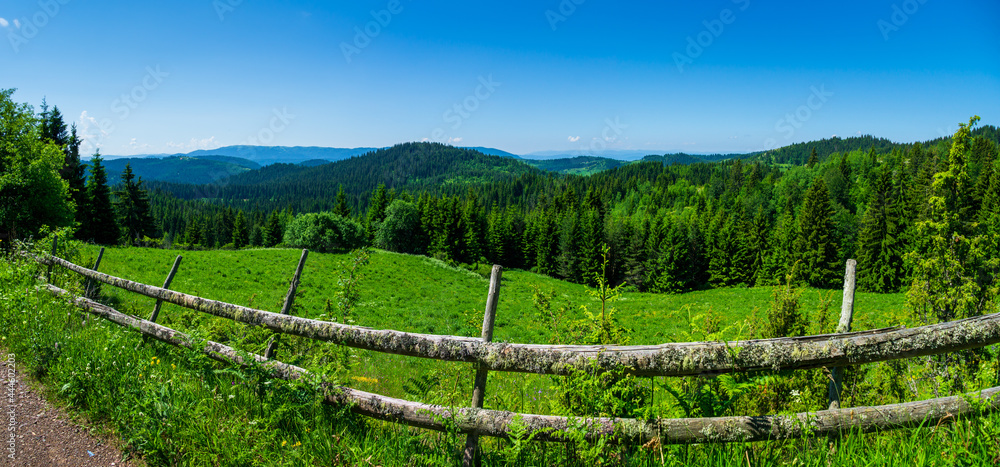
[(166, 285), (471, 456), (87, 292), (289, 300), (55, 242), (846, 316)]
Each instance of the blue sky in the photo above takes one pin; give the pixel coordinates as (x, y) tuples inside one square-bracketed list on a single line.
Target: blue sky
[(569, 75)]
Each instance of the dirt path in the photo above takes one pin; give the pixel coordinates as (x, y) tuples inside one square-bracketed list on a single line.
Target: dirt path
[(44, 435)]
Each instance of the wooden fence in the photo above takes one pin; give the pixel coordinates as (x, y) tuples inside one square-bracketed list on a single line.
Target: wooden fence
[(676, 359)]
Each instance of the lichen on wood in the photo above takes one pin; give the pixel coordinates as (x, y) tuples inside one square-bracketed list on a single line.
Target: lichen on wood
[(674, 359)]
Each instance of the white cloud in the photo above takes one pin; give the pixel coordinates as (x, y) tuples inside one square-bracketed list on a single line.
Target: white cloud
[(4, 23), (454, 140), (573, 139), (136, 148), (17, 24), (91, 132), (194, 145)]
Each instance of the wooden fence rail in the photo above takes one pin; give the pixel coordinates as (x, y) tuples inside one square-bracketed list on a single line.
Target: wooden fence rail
[(483, 422), (675, 359)]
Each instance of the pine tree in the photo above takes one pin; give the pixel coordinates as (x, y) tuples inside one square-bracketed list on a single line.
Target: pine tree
[(241, 231), (273, 233), (815, 246), (132, 205), (101, 226), (880, 260), (952, 273), (813, 159), (376, 210), (341, 208)]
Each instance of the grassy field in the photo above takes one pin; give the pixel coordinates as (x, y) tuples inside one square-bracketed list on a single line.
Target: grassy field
[(174, 407)]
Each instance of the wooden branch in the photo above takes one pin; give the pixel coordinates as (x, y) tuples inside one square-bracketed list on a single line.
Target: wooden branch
[(166, 284), (97, 264), (677, 359), (289, 300), (469, 457), (553, 428), (836, 385)]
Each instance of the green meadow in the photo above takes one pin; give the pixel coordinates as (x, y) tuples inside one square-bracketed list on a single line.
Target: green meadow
[(174, 407)]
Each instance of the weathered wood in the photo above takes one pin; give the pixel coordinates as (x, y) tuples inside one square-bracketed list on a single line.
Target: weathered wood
[(289, 300), (55, 242), (675, 359), (836, 385), (87, 292), (470, 457), (166, 284), (927, 413)]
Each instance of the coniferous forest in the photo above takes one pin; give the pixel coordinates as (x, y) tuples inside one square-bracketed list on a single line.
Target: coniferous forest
[(745, 221)]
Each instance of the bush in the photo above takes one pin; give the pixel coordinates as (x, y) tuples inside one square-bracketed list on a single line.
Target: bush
[(325, 233), (399, 229)]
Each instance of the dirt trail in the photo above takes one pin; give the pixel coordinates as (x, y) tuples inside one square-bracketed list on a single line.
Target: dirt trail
[(44, 435)]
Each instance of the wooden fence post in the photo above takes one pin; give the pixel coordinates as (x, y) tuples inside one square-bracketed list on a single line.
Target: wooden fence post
[(846, 315), (479, 388), (166, 284), (289, 300), (48, 275), (86, 288)]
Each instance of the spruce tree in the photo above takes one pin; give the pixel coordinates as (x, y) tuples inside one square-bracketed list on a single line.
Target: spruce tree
[(813, 159), (953, 267), (273, 233), (241, 231), (815, 247), (376, 210), (880, 260), (341, 208), (101, 226), (132, 205)]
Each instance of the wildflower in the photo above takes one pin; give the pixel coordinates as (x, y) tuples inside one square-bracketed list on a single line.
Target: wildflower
[(297, 444), (232, 396), (283, 443), (173, 366)]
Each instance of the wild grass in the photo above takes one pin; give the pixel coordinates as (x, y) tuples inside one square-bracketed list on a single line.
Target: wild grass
[(175, 407)]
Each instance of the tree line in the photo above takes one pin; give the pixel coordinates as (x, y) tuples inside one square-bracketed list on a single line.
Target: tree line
[(44, 184)]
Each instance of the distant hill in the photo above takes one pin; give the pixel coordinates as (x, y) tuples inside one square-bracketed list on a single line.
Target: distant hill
[(494, 152), (179, 169), (581, 165), (624, 155), (414, 166)]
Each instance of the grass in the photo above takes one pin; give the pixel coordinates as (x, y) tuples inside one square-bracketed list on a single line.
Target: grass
[(175, 407)]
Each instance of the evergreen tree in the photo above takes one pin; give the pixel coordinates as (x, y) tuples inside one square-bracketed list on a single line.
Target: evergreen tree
[(341, 208), (101, 226), (256, 235), (32, 194), (813, 159), (132, 205), (815, 245), (273, 233), (376, 210), (241, 231), (952, 276), (880, 260)]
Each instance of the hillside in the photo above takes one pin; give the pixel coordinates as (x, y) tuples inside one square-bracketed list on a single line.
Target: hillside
[(179, 169), (411, 166), (580, 165), (798, 154)]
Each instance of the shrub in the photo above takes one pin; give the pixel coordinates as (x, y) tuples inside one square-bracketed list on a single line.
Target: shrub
[(325, 233)]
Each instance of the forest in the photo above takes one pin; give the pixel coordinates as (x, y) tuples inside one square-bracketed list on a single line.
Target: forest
[(670, 227)]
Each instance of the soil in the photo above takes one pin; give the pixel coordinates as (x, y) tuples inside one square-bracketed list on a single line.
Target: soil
[(46, 435)]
